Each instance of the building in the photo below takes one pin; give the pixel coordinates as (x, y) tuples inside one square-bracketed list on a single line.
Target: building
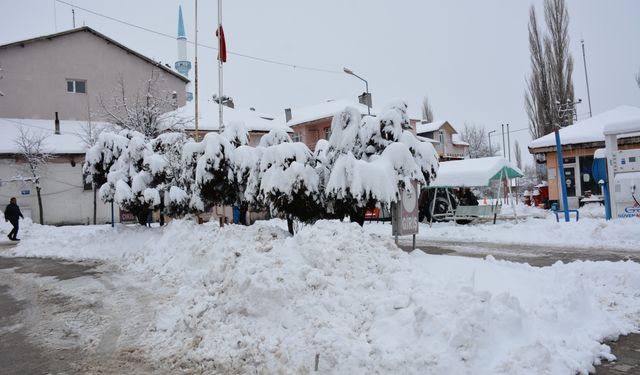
[(65, 74), (257, 124), (68, 72), (579, 143), (445, 139), (312, 123)]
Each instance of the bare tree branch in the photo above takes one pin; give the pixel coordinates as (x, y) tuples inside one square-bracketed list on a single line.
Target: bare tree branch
[(31, 148)]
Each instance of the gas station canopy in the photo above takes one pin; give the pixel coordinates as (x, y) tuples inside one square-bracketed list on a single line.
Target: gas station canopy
[(474, 172)]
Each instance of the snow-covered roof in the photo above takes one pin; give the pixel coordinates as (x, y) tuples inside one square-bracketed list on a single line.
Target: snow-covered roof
[(69, 141), (456, 139), (319, 111), (622, 127), (590, 129), (430, 126), (474, 172), (209, 117), (427, 139)]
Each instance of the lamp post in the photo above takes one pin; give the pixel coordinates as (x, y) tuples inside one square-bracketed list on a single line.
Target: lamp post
[(490, 150), (350, 72)]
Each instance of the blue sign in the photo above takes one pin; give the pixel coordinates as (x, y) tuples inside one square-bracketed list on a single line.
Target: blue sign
[(25, 192)]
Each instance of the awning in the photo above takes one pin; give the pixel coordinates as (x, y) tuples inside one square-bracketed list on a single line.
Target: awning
[(474, 172)]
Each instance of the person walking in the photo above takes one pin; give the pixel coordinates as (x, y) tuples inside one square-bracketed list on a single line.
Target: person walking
[(12, 214)]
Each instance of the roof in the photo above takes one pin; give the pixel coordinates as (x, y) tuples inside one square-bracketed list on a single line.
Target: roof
[(589, 130), (209, 117), (456, 139), (622, 127), (69, 141), (474, 172), (100, 35), (315, 112), (430, 126)]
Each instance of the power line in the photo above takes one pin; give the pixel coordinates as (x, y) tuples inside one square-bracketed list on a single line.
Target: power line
[(255, 58)]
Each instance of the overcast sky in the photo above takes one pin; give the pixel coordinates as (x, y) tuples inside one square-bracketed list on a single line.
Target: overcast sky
[(470, 57)]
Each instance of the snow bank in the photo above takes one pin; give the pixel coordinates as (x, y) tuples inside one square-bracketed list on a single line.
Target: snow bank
[(590, 233), (255, 300)]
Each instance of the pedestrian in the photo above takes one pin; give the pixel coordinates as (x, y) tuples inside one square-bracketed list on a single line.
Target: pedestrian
[(12, 214)]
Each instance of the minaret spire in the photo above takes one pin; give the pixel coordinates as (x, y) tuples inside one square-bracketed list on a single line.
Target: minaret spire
[(183, 65)]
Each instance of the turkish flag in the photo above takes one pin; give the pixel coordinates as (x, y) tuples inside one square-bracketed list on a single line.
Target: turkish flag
[(222, 45)]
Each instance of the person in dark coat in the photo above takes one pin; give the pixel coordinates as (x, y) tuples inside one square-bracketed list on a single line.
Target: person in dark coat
[(12, 214)]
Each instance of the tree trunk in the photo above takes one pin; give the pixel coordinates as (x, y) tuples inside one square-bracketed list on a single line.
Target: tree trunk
[(290, 224), (95, 205), (40, 206)]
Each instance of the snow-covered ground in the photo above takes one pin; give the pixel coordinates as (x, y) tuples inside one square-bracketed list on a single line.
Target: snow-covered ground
[(256, 300), (535, 227)]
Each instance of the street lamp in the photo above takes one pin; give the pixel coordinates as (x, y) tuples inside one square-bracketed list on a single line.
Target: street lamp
[(490, 151), (368, 99)]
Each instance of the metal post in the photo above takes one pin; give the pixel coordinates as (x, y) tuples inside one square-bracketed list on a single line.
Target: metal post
[(197, 138), (220, 109), (586, 77), (509, 142), (563, 183), (112, 216), (504, 150)]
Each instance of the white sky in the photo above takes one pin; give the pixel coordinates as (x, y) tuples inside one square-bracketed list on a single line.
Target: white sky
[(471, 57)]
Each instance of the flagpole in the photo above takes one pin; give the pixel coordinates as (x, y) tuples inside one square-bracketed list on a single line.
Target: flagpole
[(220, 36), (196, 75)]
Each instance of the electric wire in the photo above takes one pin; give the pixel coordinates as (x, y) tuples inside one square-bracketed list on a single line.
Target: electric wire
[(255, 58)]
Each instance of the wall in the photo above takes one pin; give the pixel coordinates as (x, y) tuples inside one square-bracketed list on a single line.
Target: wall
[(64, 199), (313, 131), (35, 76)]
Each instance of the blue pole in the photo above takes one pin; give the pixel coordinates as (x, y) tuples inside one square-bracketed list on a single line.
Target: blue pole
[(607, 204), (563, 182)]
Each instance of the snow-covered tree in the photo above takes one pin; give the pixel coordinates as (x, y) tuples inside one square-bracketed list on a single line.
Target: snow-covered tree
[(31, 148), (367, 167), (289, 183), (167, 170), (214, 171), (118, 161)]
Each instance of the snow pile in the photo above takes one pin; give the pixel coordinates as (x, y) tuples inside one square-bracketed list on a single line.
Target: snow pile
[(255, 300)]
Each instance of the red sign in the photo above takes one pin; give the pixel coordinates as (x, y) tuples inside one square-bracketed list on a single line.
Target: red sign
[(127, 217)]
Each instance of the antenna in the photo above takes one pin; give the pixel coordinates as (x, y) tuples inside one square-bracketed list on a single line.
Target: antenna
[(73, 15)]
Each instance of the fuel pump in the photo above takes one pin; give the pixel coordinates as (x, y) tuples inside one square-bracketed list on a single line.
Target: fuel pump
[(623, 167)]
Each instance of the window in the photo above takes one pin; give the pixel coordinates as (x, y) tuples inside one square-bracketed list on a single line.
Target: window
[(441, 136), (327, 133), (296, 137), (77, 86)]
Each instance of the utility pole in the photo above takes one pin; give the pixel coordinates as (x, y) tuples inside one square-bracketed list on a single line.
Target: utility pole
[(509, 142), (220, 99), (586, 76), (73, 16), (504, 149), (196, 75)]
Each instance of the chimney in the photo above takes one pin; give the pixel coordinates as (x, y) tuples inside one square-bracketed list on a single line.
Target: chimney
[(287, 114), (57, 124)]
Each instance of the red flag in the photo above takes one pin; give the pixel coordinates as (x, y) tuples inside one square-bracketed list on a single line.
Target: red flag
[(222, 45)]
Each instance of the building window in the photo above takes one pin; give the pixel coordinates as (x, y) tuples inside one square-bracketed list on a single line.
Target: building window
[(296, 137), (327, 133), (77, 86), (441, 136)]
